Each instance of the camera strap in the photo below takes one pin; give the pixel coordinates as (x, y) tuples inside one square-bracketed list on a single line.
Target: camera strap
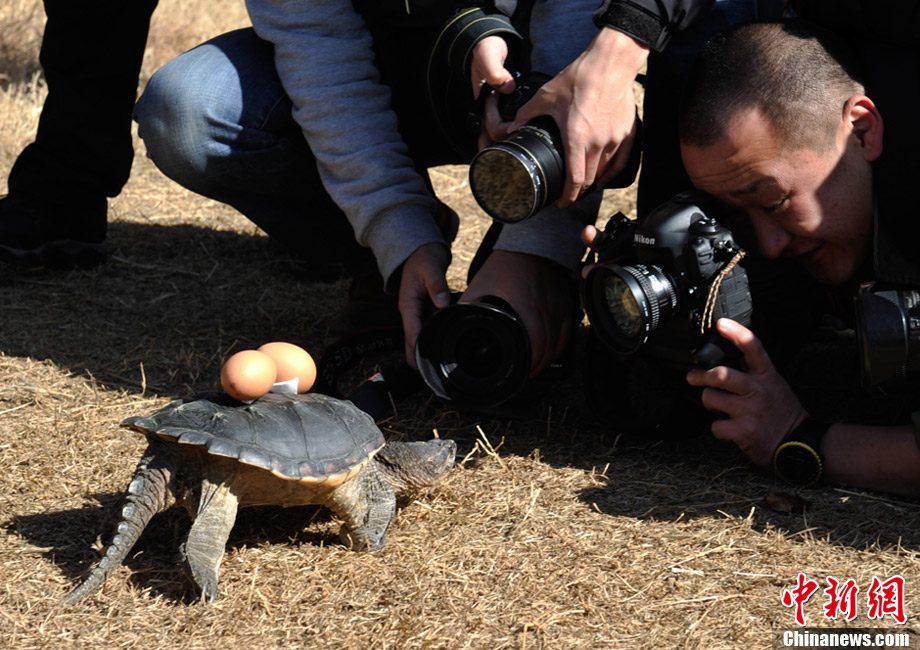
[(386, 380), (712, 296), (448, 72)]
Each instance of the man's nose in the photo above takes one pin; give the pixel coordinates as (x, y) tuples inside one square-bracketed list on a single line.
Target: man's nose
[(772, 239)]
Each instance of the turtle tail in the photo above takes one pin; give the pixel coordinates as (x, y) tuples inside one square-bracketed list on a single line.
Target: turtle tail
[(149, 493)]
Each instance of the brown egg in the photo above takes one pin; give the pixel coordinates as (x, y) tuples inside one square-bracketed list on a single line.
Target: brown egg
[(248, 375), (292, 362)]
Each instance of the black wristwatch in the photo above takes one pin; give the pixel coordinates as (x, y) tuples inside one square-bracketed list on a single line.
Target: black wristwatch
[(798, 460)]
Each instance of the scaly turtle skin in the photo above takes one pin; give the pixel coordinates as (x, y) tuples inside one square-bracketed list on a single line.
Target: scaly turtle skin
[(214, 455)]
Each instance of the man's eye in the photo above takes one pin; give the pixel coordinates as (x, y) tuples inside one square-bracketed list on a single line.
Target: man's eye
[(775, 206)]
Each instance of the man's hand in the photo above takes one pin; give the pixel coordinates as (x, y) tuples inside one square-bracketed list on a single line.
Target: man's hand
[(594, 105), (760, 405), (423, 279), (488, 66), (539, 291)]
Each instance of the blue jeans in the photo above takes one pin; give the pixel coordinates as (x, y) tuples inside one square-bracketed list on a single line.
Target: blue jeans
[(217, 121)]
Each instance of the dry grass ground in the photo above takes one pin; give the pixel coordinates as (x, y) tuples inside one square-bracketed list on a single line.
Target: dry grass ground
[(554, 532)]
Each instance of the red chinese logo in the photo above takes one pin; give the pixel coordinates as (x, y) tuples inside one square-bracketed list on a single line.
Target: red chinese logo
[(883, 598), (887, 598), (799, 596), (840, 598)]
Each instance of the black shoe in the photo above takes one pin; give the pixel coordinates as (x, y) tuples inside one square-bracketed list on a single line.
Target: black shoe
[(34, 234)]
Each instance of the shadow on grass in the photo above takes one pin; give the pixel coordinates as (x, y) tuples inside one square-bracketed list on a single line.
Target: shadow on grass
[(693, 475), (156, 561), (708, 479), (173, 301), (166, 308)]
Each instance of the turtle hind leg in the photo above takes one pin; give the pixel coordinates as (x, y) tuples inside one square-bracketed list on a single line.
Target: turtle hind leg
[(207, 539), (367, 505)]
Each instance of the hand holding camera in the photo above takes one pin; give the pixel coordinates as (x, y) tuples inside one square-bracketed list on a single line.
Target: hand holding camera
[(661, 284), (760, 406), (521, 166), (651, 299), (514, 323), (593, 101)]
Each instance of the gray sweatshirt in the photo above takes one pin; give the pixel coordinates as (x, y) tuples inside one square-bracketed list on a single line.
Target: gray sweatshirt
[(325, 61)]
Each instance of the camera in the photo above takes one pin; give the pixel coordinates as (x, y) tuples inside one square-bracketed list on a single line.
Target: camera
[(516, 177), (662, 284), (477, 355), (888, 331)]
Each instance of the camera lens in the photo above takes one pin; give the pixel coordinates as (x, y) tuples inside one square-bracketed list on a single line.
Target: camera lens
[(517, 177), (888, 329), (503, 184), (623, 307), (627, 303), (475, 354), (478, 353)]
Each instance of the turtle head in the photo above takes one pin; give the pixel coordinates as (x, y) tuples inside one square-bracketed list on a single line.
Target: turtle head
[(408, 465)]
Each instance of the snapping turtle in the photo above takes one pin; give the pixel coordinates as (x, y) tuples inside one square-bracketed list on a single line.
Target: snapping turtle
[(214, 454)]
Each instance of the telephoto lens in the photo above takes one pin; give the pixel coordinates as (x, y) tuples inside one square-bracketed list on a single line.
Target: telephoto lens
[(477, 355)]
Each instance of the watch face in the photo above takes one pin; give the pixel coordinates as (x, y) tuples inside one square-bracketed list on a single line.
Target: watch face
[(798, 464)]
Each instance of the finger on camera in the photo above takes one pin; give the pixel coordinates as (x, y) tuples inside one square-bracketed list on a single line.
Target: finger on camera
[(493, 124), (574, 186), (722, 378), (755, 356), (615, 164), (409, 346), (731, 430), (719, 401), (488, 64), (593, 239)]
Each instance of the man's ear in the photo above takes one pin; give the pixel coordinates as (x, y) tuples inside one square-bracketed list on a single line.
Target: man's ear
[(865, 122)]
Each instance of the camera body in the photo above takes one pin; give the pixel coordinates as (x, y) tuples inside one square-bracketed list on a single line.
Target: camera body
[(660, 286)]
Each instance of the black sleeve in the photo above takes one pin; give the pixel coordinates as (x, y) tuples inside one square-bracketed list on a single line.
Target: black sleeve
[(652, 22)]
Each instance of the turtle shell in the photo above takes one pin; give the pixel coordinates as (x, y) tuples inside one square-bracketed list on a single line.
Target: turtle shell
[(311, 438)]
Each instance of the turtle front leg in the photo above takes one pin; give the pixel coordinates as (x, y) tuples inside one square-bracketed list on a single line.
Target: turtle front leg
[(207, 539), (367, 505)]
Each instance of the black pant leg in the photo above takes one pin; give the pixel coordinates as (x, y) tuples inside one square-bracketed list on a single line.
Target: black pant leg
[(91, 54)]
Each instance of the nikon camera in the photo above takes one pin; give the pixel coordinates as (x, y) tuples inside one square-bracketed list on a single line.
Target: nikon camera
[(670, 278)]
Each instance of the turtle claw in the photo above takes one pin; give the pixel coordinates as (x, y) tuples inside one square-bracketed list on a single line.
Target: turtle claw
[(362, 540), (204, 576), (209, 591)]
